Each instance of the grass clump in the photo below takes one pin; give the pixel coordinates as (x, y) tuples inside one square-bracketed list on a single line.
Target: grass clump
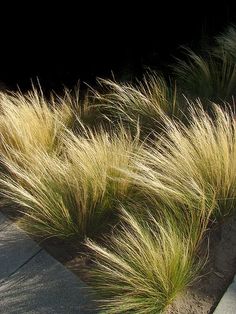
[(208, 77), (83, 109), (227, 41), (142, 103), (197, 157), (74, 194), (30, 121), (71, 166), (146, 266)]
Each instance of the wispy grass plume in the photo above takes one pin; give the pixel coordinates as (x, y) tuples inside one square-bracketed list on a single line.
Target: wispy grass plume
[(227, 41), (195, 159), (29, 121), (145, 266), (209, 77), (74, 194), (141, 103)]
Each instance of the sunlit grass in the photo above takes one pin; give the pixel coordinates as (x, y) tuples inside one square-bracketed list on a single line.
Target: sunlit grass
[(144, 266), (32, 122), (29, 121), (194, 158), (141, 103), (71, 164), (76, 193)]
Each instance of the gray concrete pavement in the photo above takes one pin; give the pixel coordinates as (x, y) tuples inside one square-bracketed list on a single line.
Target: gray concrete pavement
[(227, 304), (31, 281)]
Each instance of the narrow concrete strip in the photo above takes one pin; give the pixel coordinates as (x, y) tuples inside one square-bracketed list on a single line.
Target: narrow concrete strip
[(227, 304), (44, 286), (16, 248)]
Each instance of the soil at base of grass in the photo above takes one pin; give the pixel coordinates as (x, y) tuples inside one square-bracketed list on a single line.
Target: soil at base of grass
[(201, 298)]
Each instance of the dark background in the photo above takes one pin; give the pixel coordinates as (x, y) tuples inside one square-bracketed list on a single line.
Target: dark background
[(59, 47)]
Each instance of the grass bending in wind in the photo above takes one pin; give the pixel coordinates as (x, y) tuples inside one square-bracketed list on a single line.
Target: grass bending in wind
[(145, 266), (209, 77), (29, 121), (74, 194), (197, 157), (83, 109), (141, 103), (189, 178), (227, 40)]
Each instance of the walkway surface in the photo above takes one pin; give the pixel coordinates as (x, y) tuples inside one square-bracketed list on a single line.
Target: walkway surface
[(31, 281), (227, 304)]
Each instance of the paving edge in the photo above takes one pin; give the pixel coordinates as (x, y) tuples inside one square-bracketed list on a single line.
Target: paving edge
[(227, 304)]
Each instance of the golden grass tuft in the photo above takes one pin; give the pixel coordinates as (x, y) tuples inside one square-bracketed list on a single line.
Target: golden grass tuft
[(145, 266), (76, 193), (142, 103), (198, 159), (29, 121)]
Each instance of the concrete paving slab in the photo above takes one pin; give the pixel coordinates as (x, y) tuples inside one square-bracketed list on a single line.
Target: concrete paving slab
[(16, 248), (227, 304), (43, 286)]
